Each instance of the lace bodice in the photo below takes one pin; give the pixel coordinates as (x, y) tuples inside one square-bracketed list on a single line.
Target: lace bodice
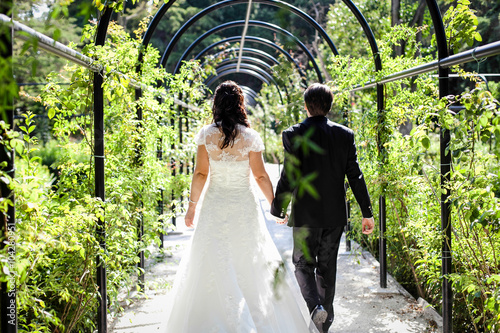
[(247, 140)]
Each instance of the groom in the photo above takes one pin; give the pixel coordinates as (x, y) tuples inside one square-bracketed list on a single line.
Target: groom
[(320, 154)]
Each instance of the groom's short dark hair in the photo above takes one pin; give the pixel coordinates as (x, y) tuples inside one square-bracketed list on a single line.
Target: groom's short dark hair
[(318, 98)]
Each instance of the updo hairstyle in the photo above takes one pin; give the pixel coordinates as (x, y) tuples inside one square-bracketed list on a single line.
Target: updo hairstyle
[(228, 111)]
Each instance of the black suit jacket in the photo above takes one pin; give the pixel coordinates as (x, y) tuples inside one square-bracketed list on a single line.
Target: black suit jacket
[(326, 171)]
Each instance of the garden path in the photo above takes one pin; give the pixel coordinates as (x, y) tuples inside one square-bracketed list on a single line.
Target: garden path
[(360, 304)]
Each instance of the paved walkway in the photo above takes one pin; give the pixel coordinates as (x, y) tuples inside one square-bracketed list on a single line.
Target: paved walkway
[(360, 305)]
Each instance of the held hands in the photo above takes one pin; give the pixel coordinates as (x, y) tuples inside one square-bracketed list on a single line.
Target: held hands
[(367, 225), (282, 220)]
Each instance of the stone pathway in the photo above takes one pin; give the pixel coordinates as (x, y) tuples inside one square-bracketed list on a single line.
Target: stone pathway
[(360, 305)]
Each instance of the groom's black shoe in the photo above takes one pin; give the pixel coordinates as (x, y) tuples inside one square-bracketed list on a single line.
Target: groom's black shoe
[(318, 316)]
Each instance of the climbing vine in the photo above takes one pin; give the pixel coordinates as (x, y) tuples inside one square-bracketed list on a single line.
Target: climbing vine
[(409, 176), (57, 212)]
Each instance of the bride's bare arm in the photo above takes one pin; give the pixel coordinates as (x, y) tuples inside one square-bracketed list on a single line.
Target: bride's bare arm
[(261, 176), (199, 178)]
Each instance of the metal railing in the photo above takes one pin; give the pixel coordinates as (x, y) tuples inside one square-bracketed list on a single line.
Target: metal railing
[(52, 46), (460, 58), (479, 52)]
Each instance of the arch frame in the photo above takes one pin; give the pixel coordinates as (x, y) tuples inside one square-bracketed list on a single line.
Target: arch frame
[(262, 41), (233, 24)]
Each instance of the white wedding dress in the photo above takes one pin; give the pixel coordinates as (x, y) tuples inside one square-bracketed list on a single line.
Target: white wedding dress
[(225, 282)]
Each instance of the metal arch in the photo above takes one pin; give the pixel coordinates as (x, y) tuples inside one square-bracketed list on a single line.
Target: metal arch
[(102, 30), (256, 69), (381, 115), (444, 142), (251, 94), (244, 71), (368, 32), (209, 81), (255, 61), (249, 91), (251, 23), (251, 51), (252, 68), (249, 60), (258, 40), (226, 3), (374, 47), (149, 32)]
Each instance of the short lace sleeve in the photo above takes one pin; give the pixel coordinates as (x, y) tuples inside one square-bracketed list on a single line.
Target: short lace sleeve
[(200, 138), (257, 145)]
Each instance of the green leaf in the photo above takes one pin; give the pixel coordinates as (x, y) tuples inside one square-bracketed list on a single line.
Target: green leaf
[(57, 34), (51, 113), (426, 142), (483, 121), (82, 252)]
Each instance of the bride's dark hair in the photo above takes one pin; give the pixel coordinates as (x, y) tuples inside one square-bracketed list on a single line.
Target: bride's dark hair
[(228, 111)]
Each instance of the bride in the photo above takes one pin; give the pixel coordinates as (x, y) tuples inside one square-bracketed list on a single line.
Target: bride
[(226, 280)]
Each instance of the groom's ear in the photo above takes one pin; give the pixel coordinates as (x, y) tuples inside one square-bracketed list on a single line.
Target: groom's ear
[(307, 111)]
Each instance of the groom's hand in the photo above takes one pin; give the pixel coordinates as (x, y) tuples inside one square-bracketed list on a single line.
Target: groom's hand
[(367, 225)]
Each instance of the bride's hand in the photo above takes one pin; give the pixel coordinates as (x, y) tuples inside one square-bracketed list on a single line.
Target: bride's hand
[(283, 220), (189, 218)]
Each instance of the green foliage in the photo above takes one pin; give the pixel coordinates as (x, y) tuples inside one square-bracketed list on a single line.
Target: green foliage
[(56, 230), (277, 110), (461, 25), (344, 29), (404, 165)]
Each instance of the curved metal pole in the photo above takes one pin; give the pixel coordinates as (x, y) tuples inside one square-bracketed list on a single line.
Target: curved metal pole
[(226, 3), (244, 71), (102, 30), (268, 70), (249, 60), (149, 33), (251, 51), (255, 69), (249, 91), (258, 40), (381, 119), (233, 24), (444, 141), (210, 80)]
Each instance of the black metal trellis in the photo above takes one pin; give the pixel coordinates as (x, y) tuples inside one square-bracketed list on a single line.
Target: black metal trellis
[(381, 114), (266, 25), (248, 60), (445, 170), (258, 40), (254, 52), (226, 3), (102, 30), (252, 70)]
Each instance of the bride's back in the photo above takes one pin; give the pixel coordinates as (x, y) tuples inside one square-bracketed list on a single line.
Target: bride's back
[(229, 167), (246, 141)]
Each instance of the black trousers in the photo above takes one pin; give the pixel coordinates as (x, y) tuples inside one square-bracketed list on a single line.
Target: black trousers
[(315, 253)]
